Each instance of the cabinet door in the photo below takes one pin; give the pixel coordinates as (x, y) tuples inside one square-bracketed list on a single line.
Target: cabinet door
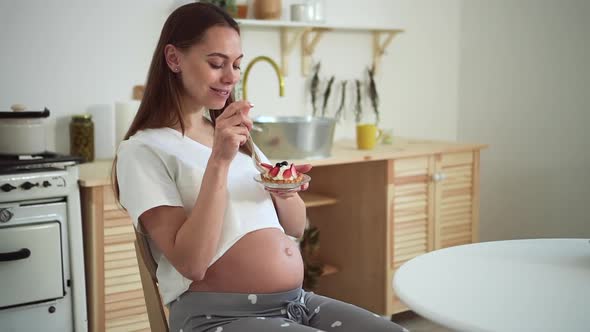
[(410, 199), (124, 302), (457, 199)]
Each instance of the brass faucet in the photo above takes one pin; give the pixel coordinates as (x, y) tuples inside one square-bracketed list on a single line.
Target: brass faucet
[(274, 66)]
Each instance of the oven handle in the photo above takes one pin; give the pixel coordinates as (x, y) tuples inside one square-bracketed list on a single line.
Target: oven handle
[(15, 255)]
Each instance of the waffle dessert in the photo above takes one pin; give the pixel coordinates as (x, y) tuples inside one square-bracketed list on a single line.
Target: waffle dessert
[(281, 173)]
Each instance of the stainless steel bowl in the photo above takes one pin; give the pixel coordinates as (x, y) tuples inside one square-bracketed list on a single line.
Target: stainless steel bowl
[(294, 137)]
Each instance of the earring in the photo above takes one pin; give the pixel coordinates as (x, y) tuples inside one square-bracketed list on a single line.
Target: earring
[(177, 69)]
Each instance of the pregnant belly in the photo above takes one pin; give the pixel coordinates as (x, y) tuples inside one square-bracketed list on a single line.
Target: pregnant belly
[(263, 261)]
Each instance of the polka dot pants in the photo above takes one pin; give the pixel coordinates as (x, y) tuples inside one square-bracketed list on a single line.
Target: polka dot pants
[(292, 311)]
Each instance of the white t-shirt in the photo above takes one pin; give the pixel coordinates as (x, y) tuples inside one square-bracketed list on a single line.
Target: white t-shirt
[(157, 167)]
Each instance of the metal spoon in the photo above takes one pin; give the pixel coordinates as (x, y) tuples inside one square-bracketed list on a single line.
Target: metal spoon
[(255, 157)]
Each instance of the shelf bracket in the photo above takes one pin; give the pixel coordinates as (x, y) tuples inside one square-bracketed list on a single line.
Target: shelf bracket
[(308, 44), (287, 46), (379, 45)]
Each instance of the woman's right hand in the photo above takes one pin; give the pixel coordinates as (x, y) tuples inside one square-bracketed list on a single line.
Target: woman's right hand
[(232, 129)]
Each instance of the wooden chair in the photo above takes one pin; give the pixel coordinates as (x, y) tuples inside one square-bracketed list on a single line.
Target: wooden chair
[(149, 282)]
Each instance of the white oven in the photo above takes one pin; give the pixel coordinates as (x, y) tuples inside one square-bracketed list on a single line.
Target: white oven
[(42, 284)]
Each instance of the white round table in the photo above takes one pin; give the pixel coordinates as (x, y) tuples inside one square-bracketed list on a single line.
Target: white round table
[(518, 285)]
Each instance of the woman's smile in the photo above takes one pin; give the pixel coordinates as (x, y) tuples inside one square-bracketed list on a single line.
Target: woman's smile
[(222, 93)]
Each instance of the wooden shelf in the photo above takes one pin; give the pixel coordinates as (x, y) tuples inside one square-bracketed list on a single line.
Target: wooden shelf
[(315, 200), (290, 24), (329, 269), (310, 34)]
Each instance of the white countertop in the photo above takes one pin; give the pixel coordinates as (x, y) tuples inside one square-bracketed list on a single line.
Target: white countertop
[(519, 285)]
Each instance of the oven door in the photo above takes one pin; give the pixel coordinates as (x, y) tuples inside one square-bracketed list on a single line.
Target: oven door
[(31, 267)]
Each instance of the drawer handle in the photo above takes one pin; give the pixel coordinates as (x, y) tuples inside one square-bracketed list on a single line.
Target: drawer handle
[(15, 255)]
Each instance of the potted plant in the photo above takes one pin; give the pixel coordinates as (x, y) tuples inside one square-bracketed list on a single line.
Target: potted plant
[(229, 5), (367, 130)]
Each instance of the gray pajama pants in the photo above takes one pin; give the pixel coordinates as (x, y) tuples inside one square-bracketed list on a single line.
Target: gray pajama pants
[(295, 311)]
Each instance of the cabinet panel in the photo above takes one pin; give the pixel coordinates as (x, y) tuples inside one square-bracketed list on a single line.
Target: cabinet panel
[(119, 272), (457, 159), (119, 230), (125, 312), (114, 214), (117, 221), (140, 326), (411, 214), (353, 232), (126, 279), (123, 288), (126, 320), (121, 263), (119, 303), (116, 248), (118, 239), (120, 255), (433, 204), (124, 296), (128, 323), (454, 195), (410, 198)]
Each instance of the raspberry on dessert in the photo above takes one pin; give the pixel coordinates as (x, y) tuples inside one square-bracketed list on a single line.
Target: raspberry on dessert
[(274, 171), (281, 173), (287, 173)]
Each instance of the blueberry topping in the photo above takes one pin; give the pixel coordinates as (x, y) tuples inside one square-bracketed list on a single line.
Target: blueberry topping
[(284, 163)]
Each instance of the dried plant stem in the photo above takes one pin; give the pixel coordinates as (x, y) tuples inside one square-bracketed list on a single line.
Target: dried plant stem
[(373, 94), (358, 109), (327, 93), (315, 82), (338, 114)]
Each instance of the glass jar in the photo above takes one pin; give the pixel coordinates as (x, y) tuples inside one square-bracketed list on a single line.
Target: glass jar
[(320, 11), (82, 137), (317, 10)]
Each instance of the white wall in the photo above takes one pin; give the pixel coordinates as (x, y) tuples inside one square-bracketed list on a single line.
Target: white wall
[(419, 74), (68, 54), (525, 90), (521, 68)]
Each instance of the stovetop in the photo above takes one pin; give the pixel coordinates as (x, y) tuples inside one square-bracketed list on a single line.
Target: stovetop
[(10, 164)]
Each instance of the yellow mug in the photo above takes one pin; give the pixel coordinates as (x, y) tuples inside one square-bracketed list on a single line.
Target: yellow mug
[(367, 136)]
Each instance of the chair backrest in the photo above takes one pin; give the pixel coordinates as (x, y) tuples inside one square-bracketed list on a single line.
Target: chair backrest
[(149, 282)]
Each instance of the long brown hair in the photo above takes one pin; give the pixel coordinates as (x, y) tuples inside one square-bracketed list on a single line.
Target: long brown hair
[(161, 103)]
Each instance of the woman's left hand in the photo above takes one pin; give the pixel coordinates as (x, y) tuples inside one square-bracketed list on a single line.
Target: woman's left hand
[(293, 192)]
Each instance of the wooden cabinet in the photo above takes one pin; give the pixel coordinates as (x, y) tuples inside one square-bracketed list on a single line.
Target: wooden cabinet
[(433, 203), (115, 294), (390, 211), (375, 210)]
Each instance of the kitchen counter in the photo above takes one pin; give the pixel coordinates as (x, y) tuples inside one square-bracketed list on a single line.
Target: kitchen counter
[(397, 202), (98, 172)]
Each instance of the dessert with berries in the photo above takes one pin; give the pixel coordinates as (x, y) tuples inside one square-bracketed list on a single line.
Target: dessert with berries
[(281, 173)]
